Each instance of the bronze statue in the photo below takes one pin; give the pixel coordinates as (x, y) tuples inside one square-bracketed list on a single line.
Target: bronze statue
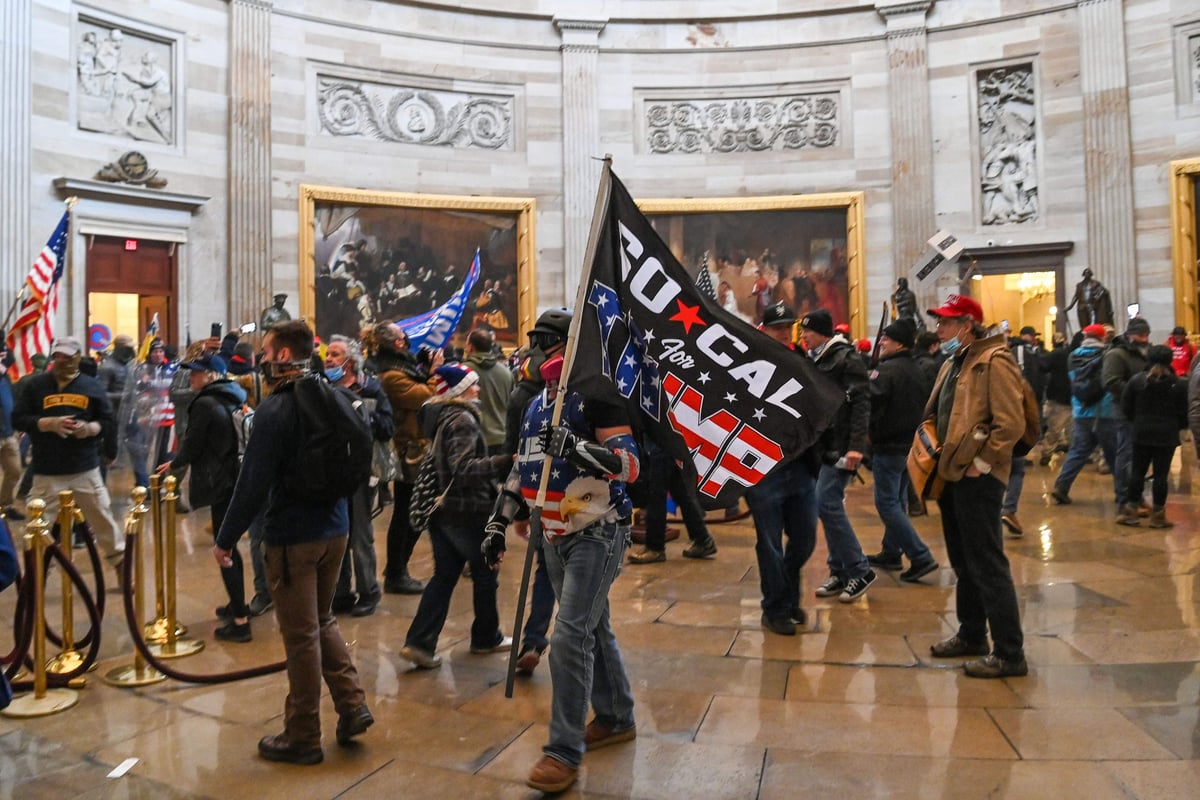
[(1095, 304), (275, 314), (904, 304)]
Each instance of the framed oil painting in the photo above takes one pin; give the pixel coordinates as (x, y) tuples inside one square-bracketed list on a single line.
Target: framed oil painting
[(368, 256), (803, 250)]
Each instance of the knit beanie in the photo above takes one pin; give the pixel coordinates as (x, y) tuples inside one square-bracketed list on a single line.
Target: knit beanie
[(453, 379)]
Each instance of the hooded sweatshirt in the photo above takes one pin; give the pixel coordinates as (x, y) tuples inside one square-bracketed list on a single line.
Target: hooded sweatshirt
[(495, 385)]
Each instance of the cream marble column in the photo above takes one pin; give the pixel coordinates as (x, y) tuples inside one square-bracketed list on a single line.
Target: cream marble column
[(581, 141), (1107, 149), (250, 279), (16, 249), (913, 219)]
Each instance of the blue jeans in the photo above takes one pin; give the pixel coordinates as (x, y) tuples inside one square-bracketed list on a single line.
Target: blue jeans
[(585, 661), (846, 559), (457, 539), (1124, 465), (783, 502), (1088, 434), (541, 606), (891, 503), (1016, 483)]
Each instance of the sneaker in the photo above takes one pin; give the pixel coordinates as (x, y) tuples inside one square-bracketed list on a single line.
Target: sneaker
[(505, 643), (857, 587), (232, 632), (405, 584), (885, 560), (647, 556), (1060, 496), (529, 659), (224, 612), (352, 724), (798, 616), (422, 658), (365, 606), (993, 666), (702, 548), (276, 748), (261, 604), (779, 625), (1013, 524), (1127, 514), (955, 647), (917, 571), (342, 605), (10, 512), (831, 587), (596, 735), (551, 776)]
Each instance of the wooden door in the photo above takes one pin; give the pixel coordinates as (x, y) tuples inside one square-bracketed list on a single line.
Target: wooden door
[(137, 266)]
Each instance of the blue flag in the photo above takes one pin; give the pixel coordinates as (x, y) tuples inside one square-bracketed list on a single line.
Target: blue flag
[(433, 329)]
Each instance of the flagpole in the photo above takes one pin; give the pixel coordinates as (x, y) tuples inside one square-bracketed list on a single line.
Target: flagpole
[(69, 267), (535, 517)]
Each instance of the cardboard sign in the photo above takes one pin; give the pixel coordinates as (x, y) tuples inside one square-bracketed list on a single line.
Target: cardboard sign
[(941, 252)]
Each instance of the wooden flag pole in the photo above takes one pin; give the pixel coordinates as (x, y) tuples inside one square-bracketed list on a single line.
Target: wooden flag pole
[(535, 516)]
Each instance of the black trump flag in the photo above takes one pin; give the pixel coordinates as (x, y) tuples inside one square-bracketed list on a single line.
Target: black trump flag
[(726, 401)]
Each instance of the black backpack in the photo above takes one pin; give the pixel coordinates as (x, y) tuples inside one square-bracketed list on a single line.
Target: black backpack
[(1088, 386), (335, 448)]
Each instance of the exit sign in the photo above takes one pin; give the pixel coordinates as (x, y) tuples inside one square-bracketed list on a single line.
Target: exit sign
[(131, 244)]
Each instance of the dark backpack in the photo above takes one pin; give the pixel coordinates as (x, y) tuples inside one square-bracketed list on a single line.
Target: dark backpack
[(334, 456), (1088, 385), (427, 492)]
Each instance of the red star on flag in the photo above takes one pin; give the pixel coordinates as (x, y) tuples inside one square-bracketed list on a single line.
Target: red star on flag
[(688, 315)]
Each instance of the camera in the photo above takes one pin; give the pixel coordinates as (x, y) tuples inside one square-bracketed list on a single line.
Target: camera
[(991, 242)]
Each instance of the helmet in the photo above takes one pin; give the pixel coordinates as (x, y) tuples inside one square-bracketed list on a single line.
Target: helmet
[(555, 321)]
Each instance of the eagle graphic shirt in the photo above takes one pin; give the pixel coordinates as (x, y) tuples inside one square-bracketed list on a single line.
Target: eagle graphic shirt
[(575, 497)]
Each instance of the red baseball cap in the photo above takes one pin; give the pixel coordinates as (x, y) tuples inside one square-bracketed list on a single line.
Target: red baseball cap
[(958, 306), (1095, 331)]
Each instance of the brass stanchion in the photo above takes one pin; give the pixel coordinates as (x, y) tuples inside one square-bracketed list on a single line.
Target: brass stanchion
[(42, 701), (69, 659), (139, 673), (155, 631), (174, 646)]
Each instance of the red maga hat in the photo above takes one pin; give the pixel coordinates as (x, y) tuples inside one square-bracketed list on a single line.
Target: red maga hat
[(958, 306)]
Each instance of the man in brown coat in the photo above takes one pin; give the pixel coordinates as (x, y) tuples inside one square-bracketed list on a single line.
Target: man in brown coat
[(977, 403)]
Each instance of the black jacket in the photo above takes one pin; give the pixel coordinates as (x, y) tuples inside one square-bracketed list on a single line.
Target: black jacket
[(1157, 408), (899, 389), (1058, 379), (209, 443), (1031, 360), (849, 430), (82, 398)]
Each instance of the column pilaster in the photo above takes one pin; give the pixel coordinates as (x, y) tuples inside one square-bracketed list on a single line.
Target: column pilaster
[(17, 250)]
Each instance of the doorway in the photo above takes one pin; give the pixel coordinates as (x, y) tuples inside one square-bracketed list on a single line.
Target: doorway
[(1023, 284), (128, 282)]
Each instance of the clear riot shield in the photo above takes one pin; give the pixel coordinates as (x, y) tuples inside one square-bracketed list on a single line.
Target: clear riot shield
[(146, 420)]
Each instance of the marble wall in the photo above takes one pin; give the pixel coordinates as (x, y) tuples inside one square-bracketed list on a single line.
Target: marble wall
[(479, 94)]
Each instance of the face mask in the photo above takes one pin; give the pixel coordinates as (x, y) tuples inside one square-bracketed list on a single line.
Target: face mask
[(335, 374), (950, 346)]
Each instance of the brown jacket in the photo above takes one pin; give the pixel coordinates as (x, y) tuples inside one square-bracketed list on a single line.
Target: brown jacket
[(406, 395), (988, 416)]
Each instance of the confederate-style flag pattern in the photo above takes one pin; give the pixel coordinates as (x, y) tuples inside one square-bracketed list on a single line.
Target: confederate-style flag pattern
[(728, 402)]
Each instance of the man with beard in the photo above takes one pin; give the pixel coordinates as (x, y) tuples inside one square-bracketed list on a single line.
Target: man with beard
[(64, 412), (1124, 359)]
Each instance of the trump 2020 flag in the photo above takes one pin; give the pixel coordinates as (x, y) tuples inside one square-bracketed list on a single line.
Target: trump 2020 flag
[(434, 328), (729, 403)]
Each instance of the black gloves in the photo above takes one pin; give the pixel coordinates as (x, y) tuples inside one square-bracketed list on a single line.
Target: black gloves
[(557, 441), (493, 541)]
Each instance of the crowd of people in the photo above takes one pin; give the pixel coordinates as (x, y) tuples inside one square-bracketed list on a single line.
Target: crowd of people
[(480, 423)]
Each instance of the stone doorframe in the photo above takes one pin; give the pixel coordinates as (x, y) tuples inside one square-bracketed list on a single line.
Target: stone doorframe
[(1017, 258)]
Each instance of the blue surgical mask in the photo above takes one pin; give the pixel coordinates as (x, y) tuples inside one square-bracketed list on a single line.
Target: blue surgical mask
[(950, 346), (335, 374)]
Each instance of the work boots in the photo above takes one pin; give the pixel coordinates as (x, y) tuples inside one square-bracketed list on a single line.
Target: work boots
[(1127, 514), (1158, 518)]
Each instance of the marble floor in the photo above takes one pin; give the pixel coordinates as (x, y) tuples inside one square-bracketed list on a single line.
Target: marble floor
[(853, 706)]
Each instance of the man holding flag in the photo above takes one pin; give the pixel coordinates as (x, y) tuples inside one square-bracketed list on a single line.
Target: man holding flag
[(722, 399)]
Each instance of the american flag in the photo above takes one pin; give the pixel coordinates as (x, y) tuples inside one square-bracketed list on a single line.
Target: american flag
[(32, 330), (704, 279)]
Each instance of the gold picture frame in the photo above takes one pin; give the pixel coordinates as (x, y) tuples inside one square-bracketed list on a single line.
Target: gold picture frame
[(792, 236), (1185, 255), (443, 230)]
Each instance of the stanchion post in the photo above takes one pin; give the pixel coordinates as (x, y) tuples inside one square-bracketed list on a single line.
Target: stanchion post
[(70, 659), (155, 631), (139, 673), (42, 701), (174, 646)]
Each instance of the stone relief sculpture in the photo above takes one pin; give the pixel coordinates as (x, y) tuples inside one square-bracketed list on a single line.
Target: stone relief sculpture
[(412, 115), (742, 125), (132, 168), (1194, 62), (122, 86), (704, 34), (1008, 145)]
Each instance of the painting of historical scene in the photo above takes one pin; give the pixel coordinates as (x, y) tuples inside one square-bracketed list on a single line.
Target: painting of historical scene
[(371, 262), (124, 83), (757, 258), (1008, 145)]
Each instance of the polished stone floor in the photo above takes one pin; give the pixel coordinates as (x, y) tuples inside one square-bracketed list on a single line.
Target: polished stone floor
[(851, 707)]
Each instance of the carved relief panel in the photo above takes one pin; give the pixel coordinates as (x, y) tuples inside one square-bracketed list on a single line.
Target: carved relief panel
[(1187, 68), (1008, 156), (728, 122), (125, 81), (410, 114)]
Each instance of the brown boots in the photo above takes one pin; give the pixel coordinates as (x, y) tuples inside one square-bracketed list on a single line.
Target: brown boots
[(1158, 518), (1127, 514)]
